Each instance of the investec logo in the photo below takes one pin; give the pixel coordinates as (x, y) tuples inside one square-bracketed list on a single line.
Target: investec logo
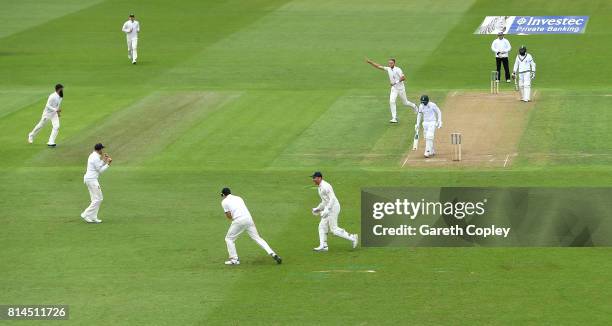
[(550, 24)]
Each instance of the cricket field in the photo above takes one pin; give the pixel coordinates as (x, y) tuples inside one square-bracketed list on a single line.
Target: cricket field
[(256, 95)]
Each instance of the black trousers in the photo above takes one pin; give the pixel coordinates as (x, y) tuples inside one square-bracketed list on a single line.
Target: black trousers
[(498, 62)]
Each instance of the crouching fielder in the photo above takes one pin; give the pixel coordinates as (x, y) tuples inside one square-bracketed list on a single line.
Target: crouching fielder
[(525, 67), (237, 212), (50, 113), (97, 163), (432, 119), (329, 209)]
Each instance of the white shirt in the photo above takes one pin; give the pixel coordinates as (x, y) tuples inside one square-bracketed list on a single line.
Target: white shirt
[(502, 46), (430, 113), (328, 197), (131, 29), (524, 64), (95, 166), (53, 103), (236, 206), (395, 76)]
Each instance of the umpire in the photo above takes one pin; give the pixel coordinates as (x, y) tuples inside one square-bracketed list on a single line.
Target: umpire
[(501, 47)]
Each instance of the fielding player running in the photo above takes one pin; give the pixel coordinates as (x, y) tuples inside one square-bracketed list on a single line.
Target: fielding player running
[(131, 28), (237, 212), (50, 113), (432, 119), (329, 209), (97, 163), (396, 79), (525, 67)]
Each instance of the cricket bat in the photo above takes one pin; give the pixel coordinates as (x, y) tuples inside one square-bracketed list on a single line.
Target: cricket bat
[(415, 143)]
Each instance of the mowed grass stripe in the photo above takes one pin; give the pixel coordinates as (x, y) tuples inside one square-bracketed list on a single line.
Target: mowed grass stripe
[(248, 134), (339, 137), (304, 46), (15, 100), (140, 131), (18, 16)]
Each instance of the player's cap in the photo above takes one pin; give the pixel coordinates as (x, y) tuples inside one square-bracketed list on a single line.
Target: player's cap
[(131, 14), (58, 86), (225, 191), (317, 174), (98, 146), (500, 33)]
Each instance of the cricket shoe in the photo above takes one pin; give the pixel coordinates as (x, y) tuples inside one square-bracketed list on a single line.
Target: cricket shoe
[(30, 138), (508, 81), (355, 240), (321, 249), (232, 261), (393, 121), (277, 258), (94, 221), (52, 145)]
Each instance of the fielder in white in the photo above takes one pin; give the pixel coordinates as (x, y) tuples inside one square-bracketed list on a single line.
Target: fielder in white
[(131, 28), (525, 68), (50, 113), (329, 209), (396, 80), (237, 212), (97, 163), (431, 116)]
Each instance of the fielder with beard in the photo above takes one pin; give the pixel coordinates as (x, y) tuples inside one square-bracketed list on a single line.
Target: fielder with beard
[(50, 113)]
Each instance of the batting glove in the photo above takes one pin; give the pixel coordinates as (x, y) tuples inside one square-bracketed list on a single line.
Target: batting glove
[(532, 75), (439, 124)]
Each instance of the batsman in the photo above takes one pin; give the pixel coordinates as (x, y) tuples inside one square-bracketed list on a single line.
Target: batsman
[(430, 114), (524, 70)]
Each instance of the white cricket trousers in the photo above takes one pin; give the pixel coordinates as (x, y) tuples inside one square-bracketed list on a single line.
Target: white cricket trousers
[(525, 85), (55, 123), (429, 129), (330, 223), (95, 193), (393, 97), (238, 226), (132, 49)]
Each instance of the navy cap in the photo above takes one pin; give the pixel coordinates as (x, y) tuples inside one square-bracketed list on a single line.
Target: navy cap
[(98, 146), (225, 191), (317, 175)]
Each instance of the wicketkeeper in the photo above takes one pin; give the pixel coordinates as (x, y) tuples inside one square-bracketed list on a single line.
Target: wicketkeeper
[(329, 209), (524, 70), (431, 116)]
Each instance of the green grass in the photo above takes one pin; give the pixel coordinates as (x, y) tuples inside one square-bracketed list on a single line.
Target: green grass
[(256, 95)]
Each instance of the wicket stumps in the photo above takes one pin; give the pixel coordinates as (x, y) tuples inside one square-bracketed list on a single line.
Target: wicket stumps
[(494, 82), (456, 143)]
